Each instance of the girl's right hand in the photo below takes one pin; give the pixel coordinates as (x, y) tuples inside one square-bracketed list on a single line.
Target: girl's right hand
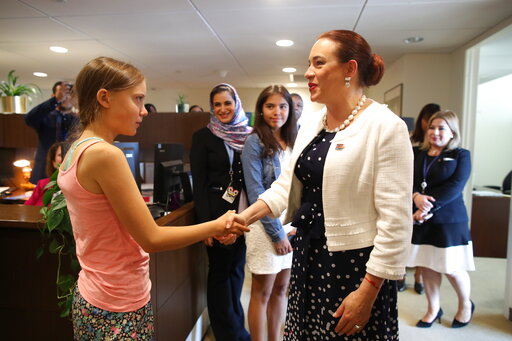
[(230, 222)]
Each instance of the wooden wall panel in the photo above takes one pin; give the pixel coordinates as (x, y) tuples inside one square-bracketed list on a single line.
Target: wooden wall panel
[(15, 133), (155, 128), (179, 282), (28, 304), (489, 226)]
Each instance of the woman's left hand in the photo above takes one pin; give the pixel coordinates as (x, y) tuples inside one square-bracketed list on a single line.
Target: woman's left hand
[(420, 216), (355, 311)]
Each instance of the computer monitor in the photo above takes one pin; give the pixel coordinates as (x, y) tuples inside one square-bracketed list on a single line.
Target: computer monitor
[(7, 158), (131, 152), (186, 184), (166, 180), (410, 122)]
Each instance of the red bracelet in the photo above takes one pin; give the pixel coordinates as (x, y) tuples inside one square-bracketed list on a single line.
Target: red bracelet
[(372, 283)]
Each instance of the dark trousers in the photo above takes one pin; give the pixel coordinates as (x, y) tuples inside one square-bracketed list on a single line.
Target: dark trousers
[(225, 281)]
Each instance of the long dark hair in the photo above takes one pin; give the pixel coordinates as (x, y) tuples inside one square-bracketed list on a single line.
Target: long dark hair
[(50, 156), (426, 112), (265, 133)]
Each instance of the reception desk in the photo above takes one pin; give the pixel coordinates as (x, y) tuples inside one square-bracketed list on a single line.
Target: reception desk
[(28, 304)]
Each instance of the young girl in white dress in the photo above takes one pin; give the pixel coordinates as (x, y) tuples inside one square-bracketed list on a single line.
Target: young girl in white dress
[(269, 252)]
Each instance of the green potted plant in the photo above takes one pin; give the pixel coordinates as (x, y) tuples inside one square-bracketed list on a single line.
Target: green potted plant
[(181, 106), (14, 97), (58, 240)]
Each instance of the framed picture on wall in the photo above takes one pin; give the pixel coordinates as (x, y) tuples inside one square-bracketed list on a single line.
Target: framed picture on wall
[(393, 98)]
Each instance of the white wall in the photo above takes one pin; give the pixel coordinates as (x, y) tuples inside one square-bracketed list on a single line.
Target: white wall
[(493, 136), (425, 79)]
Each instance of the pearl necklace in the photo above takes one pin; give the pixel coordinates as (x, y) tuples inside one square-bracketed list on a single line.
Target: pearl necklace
[(349, 119)]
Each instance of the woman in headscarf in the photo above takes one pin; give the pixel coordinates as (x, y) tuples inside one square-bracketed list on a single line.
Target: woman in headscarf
[(218, 183)]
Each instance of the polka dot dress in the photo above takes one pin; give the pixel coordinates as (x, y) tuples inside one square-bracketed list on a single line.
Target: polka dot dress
[(320, 279)]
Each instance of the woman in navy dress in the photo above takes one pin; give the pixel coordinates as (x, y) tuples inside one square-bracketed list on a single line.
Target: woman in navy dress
[(347, 189), (417, 137), (441, 238)]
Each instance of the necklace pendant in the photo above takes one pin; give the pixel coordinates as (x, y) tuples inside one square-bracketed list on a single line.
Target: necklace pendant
[(423, 185)]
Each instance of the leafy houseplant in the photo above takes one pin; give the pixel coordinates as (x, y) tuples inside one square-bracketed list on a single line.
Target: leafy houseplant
[(14, 97), (181, 106), (57, 230)]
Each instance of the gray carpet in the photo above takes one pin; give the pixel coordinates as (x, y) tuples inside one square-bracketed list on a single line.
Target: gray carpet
[(488, 292)]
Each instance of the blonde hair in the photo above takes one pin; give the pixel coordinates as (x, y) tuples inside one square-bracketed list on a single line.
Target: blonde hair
[(452, 121), (102, 73)]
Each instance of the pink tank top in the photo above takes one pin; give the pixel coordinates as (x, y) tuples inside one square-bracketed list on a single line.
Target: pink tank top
[(115, 269)]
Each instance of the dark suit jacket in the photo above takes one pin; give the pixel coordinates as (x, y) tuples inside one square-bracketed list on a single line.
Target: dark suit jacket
[(446, 180), (209, 162), (51, 126)]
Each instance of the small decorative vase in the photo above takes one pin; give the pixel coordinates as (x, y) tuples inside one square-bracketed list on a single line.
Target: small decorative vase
[(183, 107)]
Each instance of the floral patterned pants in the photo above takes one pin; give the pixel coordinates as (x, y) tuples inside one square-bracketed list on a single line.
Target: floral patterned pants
[(92, 323)]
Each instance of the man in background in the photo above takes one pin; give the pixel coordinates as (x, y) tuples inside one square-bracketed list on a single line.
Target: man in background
[(298, 105), (52, 120)]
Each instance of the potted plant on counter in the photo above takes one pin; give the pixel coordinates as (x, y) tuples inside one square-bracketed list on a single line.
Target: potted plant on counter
[(15, 97), (181, 106)]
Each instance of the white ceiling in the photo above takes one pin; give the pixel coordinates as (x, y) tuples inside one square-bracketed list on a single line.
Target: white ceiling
[(190, 43)]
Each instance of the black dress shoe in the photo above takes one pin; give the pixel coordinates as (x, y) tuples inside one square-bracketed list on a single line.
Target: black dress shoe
[(418, 287), (457, 324), (423, 324), (400, 285)]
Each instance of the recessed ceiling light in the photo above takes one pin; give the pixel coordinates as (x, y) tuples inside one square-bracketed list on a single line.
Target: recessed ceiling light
[(291, 85), (289, 69), (59, 49), (284, 43), (40, 74), (412, 40)]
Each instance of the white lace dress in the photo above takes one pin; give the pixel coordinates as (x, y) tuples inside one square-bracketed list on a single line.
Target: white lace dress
[(261, 257)]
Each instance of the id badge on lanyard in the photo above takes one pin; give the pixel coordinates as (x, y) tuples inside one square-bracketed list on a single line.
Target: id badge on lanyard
[(230, 194)]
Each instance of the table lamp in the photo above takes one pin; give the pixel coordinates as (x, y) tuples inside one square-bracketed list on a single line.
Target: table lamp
[(26, 170)]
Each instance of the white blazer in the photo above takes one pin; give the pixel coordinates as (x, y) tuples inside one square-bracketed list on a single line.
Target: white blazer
[(366, 188)]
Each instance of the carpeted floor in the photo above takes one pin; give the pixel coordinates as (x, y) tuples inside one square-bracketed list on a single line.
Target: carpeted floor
[(488, 292), (488, 324)]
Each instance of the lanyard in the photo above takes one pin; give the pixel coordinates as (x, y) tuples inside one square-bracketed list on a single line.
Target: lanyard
[(231, 155), (426, 169)]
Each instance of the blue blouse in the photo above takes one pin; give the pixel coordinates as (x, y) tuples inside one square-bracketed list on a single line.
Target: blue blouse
[(260, 172)]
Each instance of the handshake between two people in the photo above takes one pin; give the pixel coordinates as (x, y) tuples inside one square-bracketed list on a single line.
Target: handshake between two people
[(231, 226)]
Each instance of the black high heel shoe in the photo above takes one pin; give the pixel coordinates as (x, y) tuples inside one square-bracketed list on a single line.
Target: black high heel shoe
[(423, 324), (400, 285), (457, 324)]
